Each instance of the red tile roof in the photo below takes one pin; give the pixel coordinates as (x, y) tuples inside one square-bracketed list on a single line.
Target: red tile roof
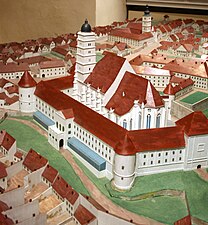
[(72, 196), (27, 81), (83, 215), (125, 146), (12, 67), (169, 90), (61, 186), (3, 81), (12, 100), (34, 161), (157, 139), (195, 123), (3, 172), (33, 60), (50, 173), (68, 113), (52, 64), (18, 154), (104, 73), (133, 87), (184, 221), (84, 116), (3, 207), (61, 83), (128, 35), (6, 140), (4, 220), (12, 89)]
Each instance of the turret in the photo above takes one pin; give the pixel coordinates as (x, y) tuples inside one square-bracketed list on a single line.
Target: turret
[(27, 87), (124, 166)]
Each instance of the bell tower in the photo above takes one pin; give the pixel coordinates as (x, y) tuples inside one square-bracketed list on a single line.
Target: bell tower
[(146, 21), (86, 55)]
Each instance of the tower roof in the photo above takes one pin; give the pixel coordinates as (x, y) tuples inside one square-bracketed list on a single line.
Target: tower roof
[(86, 27), (147, 12), (27, 81)]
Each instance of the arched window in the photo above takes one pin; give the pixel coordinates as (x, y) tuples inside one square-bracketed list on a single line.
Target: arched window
[(140, 121), (148, 121), (131, 124), (124, 124), (158, 120)]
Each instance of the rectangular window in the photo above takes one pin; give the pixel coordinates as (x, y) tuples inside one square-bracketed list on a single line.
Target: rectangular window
[(200, 147)]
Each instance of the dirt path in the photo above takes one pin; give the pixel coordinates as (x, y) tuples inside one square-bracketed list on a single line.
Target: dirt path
[(99, 197), (32, 125), (94, 191), (202, 173)]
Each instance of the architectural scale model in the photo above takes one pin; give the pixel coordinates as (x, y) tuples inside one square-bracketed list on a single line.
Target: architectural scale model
[(116, 114)]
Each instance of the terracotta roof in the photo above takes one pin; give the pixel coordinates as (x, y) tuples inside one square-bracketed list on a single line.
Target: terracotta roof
[(27, 81), (4, 220), (129, 35), (157, 139), (3, 207), (61, 186), (83, 215), (73, 44), (72, 196), (52, 64), (104, 74), (33, 60), (133, 87), (34, 161), (60, 50), (68, 113), (3, 172), (3, 81), (195, 123), (6, 140), (18, 154), (125, 146), (61, 83), (12, 89), (12, 100), (50, 173), (169, 90), (84, 116), (12, 67), (150, 71), (184, 221)]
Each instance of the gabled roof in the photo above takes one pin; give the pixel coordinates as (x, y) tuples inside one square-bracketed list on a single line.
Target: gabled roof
[(34, 161), (133, 87), (50, 173), (84, 116), (83, 215), (72, 196), (157, 139), (104, 74), (6, 140), (51, 64), (61, 186), (3, 207), (61, 83), (27, 81), (169, 90), (195, 123)]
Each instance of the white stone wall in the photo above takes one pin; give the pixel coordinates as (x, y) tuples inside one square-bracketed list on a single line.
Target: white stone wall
[(151, 162), (52, 72), (27, 99)]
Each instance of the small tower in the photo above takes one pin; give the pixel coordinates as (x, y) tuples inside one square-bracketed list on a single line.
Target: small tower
[(124, 164), (86, 56), (27, 87), (146, 21)]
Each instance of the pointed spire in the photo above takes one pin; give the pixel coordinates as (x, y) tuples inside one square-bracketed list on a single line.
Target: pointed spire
[(27, 81)]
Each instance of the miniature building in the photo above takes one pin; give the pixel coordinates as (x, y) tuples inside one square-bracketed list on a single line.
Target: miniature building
[(146, 21)]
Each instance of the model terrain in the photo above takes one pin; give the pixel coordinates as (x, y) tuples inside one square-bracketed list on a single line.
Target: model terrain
[(116, 112)]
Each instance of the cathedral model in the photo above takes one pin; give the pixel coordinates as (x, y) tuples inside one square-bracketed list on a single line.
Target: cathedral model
[(113, 120)]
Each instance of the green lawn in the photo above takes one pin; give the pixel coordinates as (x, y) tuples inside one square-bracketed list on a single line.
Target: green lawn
[(29, 138), (206, 112), (195, 97), (166, 209)]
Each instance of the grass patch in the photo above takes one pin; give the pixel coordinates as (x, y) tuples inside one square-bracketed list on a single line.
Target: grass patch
[(29, 138), (195, 97), (205, 112), (28, 118), (164, 209)]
